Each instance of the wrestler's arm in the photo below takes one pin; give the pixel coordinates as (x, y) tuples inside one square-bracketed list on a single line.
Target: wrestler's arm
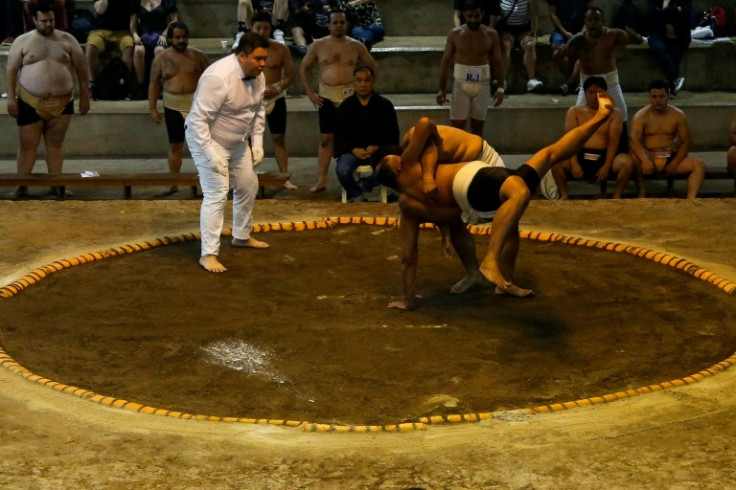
[(289, 71), (615, 128), (80, 69), (154, 88), (637, 142), (409, 229), (571, 122), (629, 36), (367, 59), (447, 60), (15, 62), (685, 139), (496, 62), (305, 73), (572, 141)]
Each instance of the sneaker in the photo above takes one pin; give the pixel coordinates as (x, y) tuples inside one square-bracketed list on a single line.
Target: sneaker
[(533, 85), (679, 82), (564, 89), (548, 187), (278, 36), (8, 41), (298, 49)]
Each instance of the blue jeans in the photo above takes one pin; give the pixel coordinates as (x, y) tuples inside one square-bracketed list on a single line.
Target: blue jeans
[(668, 53), (346, 165), (373, 33)]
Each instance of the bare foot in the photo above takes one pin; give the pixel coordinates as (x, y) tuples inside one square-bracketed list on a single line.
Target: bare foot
[(466, 282), (289, 186), (318, 188), (211, 263), (249, 243), (514, 290)]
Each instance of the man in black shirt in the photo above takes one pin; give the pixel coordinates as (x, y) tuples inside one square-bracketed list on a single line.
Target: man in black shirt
[(365, 122)]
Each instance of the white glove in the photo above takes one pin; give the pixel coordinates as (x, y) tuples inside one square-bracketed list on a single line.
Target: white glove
[(257, 152), (219, 165)]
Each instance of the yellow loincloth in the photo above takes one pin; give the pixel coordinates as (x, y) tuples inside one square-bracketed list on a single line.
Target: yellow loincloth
[(46, 107), (336, 93), (179, 102)]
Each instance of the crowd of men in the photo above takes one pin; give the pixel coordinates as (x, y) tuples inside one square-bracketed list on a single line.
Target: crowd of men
[(442, 173)]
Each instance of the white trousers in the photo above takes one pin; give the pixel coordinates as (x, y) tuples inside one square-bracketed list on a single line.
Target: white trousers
[(244, 181)]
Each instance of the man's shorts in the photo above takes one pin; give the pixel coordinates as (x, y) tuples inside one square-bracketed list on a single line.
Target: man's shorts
[(102, 38), (515, 30), (327, 117), (277, 118), (591, 161), (28, 115), (556, 38), (174, 125)]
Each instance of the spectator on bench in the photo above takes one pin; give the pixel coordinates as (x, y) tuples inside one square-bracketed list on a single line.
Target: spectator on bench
[(599, 157), (279, 10), (117, 20), (311, 21), (176, 71), (365, 122), (518, 23), (669, 37), (154, 16), (660, 141), (40, 83), (365, 21), (568, 18)]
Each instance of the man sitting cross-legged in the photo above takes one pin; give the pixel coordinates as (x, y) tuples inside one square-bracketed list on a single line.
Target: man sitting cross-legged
[(468, 193)]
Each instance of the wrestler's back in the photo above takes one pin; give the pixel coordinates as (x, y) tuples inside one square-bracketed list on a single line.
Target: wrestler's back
[(458, 146)]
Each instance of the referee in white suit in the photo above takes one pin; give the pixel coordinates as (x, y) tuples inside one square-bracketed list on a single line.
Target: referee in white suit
[(226, 113)]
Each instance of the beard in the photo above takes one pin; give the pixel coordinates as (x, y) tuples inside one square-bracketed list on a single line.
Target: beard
[(473, 25), (180, 46)]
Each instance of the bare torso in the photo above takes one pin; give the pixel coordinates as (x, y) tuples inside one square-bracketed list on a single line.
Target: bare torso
[(277, 53), (597, 55), (471, 47), (46, 69), (180, 71), (337, 58), (579, 115), (456, 146), (414, 202), (660, 128)]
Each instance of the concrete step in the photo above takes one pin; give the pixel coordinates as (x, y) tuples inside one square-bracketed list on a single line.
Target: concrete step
[(522, 124)]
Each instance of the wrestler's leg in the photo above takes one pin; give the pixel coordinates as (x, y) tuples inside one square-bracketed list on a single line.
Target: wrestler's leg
[(731, 160), (464, 245), (622, 166), (324, 157), (560, 173), (638, 175), (30, 137), (459, 107), (696, 168), (507, 264), (476, 127), (176, 150), (515, 196), (53, 137)]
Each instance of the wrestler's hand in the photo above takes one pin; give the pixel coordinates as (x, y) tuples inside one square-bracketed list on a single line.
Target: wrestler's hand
[(603, 173), (497, 98), (446, 241), (429, 186), (13, 107), (270, 92), (441, 97), (316, 100), (84, 104), (257, 152), (577, 170), (219, 165), (155, 116), (647, 167)]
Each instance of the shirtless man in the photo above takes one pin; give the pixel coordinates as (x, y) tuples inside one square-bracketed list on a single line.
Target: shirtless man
[(40, 82), (280, 73), (336, 55), (731, 154), (660, 141), (599, 157), (469, 193), (472, 48), (595, 48), (177, 71)]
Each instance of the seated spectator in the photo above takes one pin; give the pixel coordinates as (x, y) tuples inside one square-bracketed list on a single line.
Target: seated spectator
[(669, 37), (518, 23), (279, 10), (365, 21), (731, 155), (365, 122), (629, 17), (154, 16), (117, 21), (490, 7), (568, 18), (59, 7), (311, 20), (661, 141), (12, 21), (599, 156)]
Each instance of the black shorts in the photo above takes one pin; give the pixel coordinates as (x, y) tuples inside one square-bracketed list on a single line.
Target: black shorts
[(515, 31), (28, 115), (277, 119), (591, 165), (174, 125), (484, 191), (327, 117), (623, 143)]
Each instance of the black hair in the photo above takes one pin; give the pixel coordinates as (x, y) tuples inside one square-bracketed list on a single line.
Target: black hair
[(384, 174), (176, 25), (260, 16), (599, 81), (472, 5), (658, 84), (364, 68), (249, 42), (43, 6)]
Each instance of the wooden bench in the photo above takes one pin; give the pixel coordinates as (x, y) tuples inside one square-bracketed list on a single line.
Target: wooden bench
[(127, 181), (710, 174)]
